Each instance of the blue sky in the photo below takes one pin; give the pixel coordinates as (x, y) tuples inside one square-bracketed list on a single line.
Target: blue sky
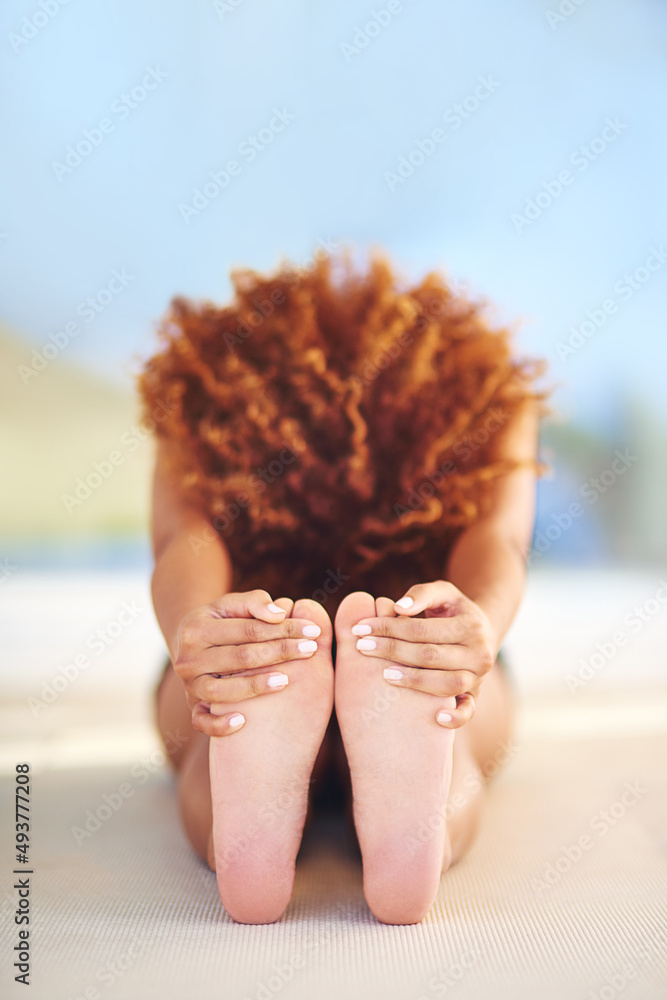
[(334, 106)]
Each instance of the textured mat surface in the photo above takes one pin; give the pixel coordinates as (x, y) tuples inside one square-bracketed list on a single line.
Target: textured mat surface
[(563, 895)]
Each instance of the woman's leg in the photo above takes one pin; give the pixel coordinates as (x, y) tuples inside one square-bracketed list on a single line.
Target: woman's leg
[(244, 798), (417, 787), (188, 756), (480, 749)]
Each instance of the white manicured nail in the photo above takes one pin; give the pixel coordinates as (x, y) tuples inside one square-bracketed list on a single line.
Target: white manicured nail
[(361, 630), (405, 602), (391, 674), (311, 630), (307, 646), (275, 609), (366, 643), (444, 717), (277, 681), (236, 720)]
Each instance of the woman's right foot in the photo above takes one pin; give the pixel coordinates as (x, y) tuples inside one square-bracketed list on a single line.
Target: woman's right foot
[(260, 779)]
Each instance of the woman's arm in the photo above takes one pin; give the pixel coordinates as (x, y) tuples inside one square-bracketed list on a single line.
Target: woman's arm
[(465, 615), (224, 646), (192, 564), (488, 560)]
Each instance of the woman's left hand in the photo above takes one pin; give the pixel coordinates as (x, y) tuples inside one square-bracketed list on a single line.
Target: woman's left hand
[(447, 652)]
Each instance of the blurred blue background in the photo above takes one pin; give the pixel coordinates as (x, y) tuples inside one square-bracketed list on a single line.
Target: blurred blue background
[(543, 193)]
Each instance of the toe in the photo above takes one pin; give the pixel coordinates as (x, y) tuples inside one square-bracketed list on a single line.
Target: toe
[(314, 612), (352, 609)]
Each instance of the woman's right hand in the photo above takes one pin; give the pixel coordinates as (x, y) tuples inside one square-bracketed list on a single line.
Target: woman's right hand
[(227, 651)]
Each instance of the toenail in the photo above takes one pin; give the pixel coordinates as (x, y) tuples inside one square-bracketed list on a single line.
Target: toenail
[(392, 674), (361, 630), (311, 630), (236, 720), (405, 602), (444, 717), (277, 680), (308, 646), (366, 644)]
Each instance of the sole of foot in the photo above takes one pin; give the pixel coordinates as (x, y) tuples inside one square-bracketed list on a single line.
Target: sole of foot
[(400, 765), (260, 779)]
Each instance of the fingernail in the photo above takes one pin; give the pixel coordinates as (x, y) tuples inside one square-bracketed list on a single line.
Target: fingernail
[(308, 646), (277, 680), (444, 717), (366, 644), (391, 674), (275, 609), (236, 720), (361, 630), (311, 630), (405, 602)]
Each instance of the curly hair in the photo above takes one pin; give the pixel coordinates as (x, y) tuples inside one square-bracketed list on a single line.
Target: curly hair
[(333, 420)]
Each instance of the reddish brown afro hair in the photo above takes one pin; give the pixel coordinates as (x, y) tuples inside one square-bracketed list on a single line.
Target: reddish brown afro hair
[(336, 422)]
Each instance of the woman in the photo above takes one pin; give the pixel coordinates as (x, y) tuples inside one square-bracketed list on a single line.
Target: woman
[(345, 478)]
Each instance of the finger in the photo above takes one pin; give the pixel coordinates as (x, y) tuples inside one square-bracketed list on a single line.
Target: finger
[(443, 683), (439, 595), (221, 725), (253, 656), (442, 630), (454, 718), (212, 632), (251, 603), (210, 689), (431, 655)]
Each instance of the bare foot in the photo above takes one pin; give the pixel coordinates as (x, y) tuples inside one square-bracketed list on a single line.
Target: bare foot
[(260, 778), (400, 764)]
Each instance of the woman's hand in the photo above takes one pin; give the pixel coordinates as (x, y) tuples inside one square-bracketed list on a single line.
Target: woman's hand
[(226, 652), (445, 652)]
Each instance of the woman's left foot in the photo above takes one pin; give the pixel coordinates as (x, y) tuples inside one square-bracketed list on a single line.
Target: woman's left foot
[(400, 764)]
